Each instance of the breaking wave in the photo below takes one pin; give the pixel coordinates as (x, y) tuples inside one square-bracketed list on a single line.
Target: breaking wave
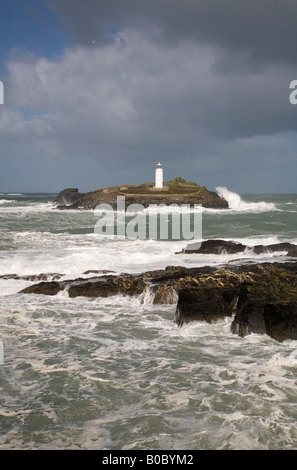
[(239, 205), (6, 201)]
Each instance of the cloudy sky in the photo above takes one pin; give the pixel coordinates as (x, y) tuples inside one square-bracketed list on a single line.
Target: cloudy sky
[(96, 92)]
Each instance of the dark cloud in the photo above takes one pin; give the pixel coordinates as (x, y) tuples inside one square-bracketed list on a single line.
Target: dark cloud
[(261, 30), (101, 116), (252, 44), (243, 59), (202, 85)]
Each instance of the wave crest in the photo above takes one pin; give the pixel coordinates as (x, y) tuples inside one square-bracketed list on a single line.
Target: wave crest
[(239, 205), (4, 201)]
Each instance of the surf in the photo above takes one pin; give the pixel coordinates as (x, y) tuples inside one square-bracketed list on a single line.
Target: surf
[(236, 203)]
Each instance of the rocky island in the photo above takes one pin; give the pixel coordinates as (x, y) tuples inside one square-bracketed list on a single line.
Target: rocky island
[(176, 191)]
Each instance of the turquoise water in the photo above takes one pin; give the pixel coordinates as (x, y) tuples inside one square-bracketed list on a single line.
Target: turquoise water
[(117, 373)]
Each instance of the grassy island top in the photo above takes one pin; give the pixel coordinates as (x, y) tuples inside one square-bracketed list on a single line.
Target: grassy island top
[(176, 186)]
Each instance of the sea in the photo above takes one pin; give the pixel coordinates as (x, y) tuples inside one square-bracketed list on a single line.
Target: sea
[(117, 373)]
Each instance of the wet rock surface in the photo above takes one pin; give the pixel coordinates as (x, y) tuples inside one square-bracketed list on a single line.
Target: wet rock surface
[(208, 304), (262, 298), (45, 288), (231, 247), (67, 197), (267, 303), (32, 277)]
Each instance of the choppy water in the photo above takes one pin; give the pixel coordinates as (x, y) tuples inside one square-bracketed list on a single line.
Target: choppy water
[(117, 373)]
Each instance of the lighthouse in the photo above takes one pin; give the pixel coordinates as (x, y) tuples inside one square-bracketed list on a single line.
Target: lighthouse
[(159, 176)]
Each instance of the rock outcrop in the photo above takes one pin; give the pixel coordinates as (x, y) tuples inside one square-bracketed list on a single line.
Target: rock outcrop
[(267, 303), (45, 288), (230, 247), (204, 303), (262, 298), (292, 251), (32, 277), (67, 197), (173, 192)]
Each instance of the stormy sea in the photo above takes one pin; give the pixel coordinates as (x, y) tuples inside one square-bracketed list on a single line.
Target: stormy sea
[(117, 372)]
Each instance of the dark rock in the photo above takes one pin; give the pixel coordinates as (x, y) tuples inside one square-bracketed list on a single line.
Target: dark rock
[(258, 249), (164, 295), (126, 285), (230, 247), (97, 271), (176, 273), (44, 288), (292, 251), (204, 304), (249, 315), (259, 268), (93, 289), (267, 304), (281, 320), (67, 197), (216, 247), (262, 296), (33, 277)]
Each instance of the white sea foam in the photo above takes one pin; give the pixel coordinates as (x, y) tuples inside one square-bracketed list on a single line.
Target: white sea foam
[(41, 207), (243, 387), (6, 201), (72, 255), (239, 205), (236, 393)]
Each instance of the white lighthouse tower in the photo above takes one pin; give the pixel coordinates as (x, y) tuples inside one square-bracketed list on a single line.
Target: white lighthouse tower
[(159, 176)]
